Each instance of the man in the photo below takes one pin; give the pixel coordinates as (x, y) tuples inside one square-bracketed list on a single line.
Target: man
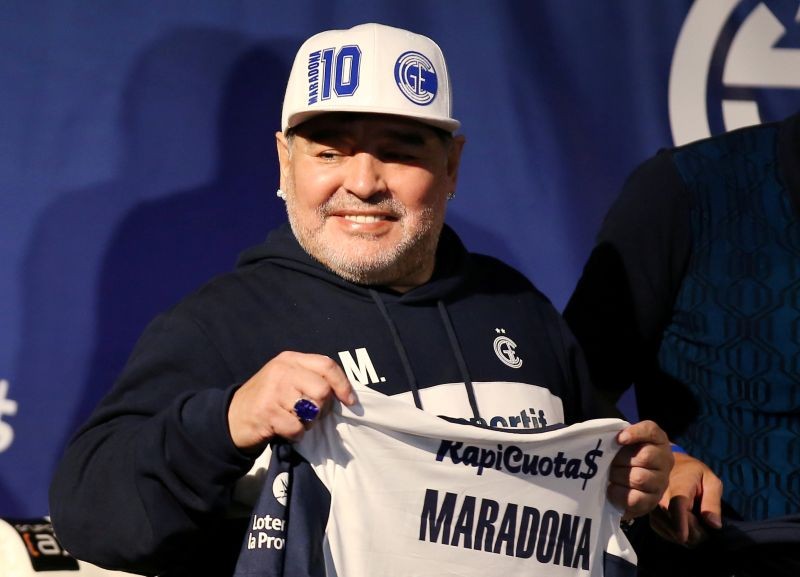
[(366, 285), (691, 294)]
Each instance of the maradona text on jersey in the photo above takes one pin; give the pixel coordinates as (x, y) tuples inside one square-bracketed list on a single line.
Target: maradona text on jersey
[(510, 529)]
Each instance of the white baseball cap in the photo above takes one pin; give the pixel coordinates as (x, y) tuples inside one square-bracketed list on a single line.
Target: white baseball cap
[(369, 68)]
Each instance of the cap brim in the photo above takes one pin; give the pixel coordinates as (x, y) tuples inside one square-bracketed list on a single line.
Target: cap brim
[(449, 125)]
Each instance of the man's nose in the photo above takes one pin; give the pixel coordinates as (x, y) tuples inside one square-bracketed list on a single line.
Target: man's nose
[(364, 175)]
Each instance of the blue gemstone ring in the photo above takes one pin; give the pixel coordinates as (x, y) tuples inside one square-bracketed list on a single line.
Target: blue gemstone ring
[(306, 410)]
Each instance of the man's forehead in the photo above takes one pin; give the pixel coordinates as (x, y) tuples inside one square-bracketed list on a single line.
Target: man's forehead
[(352, 125)]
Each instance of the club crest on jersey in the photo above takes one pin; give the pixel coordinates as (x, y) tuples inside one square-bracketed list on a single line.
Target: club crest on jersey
[(416, 78), (506, 349)]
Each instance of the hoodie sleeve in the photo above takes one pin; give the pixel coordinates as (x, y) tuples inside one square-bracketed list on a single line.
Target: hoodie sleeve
[(147, 479), (580, 403), (623, 300)]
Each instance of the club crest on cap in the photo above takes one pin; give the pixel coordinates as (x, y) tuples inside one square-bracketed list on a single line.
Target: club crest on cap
[(416, 77)]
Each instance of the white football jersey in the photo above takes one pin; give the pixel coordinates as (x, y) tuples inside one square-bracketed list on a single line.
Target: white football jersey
[(413, 494)]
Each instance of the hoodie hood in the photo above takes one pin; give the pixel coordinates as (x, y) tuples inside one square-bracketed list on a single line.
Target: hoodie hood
[(452, 265), (283, 249)]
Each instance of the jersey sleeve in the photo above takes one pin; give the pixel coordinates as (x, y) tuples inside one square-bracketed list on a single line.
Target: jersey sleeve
[(624, 297), (152, 471)]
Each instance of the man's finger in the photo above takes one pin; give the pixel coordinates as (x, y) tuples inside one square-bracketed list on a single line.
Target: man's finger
[(662, 525), (642, 432), (679, 510), (333, 375), (711, 502), (697, 533)]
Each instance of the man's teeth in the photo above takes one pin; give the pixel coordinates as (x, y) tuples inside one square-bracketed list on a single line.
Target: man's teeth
[(362, 218)]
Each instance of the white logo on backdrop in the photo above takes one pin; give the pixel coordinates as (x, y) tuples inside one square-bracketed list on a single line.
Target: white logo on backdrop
[(7, 408), (752, 61)]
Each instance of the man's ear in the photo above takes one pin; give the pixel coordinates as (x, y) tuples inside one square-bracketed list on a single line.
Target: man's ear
[(283, 156), (454, 157)]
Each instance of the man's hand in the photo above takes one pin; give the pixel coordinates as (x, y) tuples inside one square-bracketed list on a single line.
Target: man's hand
[(263, 407), (692, 486), (640, 470)]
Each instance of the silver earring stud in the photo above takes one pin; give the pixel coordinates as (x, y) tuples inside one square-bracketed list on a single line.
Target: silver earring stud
[(451, 195), (280, 194)]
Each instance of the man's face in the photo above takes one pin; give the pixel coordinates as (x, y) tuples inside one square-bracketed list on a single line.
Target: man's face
[(366, 194)]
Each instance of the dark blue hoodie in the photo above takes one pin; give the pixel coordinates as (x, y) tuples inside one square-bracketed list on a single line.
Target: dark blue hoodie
[(146, 485)]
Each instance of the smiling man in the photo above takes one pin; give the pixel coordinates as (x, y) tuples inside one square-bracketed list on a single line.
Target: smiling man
[(365, 289), (366, 194)]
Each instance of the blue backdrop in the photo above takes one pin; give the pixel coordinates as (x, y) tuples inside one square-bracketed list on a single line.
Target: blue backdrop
[(137, 154)]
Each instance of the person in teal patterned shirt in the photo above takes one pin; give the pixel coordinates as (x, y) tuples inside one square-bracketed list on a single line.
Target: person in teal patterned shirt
[(692, 294)]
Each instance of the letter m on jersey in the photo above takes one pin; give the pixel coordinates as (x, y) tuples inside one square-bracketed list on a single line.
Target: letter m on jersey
[(360, 370)]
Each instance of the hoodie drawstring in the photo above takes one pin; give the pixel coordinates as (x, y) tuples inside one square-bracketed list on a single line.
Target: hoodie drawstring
[(401, 350), (462, 364), (454, 345)]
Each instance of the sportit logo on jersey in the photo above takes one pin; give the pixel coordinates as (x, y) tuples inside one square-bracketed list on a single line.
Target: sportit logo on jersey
[(336, 72), (524, 420), (514, 460)]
